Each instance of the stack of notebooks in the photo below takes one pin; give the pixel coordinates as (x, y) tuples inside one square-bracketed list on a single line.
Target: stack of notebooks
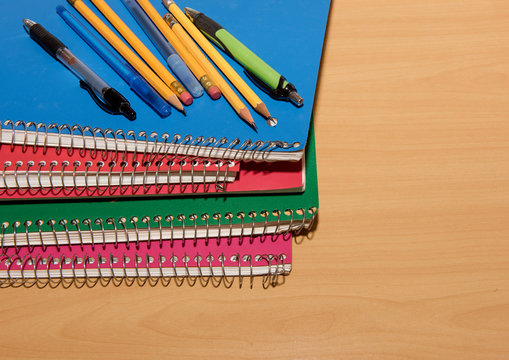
[(92, 198)]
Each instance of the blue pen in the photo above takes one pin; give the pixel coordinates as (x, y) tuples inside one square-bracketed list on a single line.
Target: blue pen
[(126, 72), (174, 61)]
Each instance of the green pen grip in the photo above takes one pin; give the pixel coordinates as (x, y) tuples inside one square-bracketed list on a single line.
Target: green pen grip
[(249, 59)]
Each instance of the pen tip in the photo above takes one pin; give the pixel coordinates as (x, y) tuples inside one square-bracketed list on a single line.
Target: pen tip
[(296, 98), (127, 111), (27, 23)]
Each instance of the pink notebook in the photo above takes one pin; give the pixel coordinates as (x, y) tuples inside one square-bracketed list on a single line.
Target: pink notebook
[(22, 179), (268, 255)]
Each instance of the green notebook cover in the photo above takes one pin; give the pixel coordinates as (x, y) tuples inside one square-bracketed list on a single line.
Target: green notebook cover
[(261, 204)]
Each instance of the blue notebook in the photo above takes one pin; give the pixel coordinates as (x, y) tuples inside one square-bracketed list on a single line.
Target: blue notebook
[(42, 103)]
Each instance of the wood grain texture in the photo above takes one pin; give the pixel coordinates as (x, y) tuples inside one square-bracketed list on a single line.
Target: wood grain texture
[(410, 259)]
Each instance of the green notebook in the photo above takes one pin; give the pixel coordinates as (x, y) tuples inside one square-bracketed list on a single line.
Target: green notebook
[(175, 217)]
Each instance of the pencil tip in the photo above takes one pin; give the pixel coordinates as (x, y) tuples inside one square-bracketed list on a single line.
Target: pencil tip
[(245, 115), (174, 100), (262, 109)]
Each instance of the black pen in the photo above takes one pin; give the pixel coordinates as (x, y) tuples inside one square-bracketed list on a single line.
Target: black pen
[(110, 100)]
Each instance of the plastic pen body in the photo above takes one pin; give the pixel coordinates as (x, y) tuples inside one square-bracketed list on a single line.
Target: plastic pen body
[(82, 71), (137, 84), (112, 100), (173, 60)]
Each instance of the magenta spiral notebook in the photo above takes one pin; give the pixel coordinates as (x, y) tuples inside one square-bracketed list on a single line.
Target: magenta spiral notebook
[(216, 258)]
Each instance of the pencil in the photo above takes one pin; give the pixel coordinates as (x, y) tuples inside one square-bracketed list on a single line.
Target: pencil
[(237, 104), (221, 63), (227, 91), (190, 60), (143, 52), (198, 71), (127, 53)]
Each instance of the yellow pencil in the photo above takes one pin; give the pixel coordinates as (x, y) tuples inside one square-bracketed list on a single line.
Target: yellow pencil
[(143, 52), (211, 71), (127, 53), (190, 60), (227, 91), (221, 63)]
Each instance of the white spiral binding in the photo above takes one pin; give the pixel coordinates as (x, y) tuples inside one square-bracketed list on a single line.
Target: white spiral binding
[(49, 272), (111, 142), (168, 227)]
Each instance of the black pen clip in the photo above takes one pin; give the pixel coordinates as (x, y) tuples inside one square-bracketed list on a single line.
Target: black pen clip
[(104, 106)]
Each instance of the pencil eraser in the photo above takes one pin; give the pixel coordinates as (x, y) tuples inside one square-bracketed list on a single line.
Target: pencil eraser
[(186, 98), (214, 92)]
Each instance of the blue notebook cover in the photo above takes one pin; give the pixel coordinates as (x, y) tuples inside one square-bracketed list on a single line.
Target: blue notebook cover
[(287, 35)]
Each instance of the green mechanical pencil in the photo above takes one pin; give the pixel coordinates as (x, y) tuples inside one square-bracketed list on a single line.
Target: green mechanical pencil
[(262, 74)]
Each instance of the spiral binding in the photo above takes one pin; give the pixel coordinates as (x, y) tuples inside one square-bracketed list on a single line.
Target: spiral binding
[(48, 271), (66, 179), (153, 145), (168, 227)]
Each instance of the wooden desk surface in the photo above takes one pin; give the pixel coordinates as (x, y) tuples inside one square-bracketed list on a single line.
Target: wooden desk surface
[(411, 255)]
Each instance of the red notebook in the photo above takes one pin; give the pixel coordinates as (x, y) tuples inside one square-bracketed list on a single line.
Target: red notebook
[(58, 174)]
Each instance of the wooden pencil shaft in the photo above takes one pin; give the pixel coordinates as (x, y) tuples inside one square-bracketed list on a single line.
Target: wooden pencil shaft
[(137, 45), (221, 63), (193, 65), (210, 70), (214, 75), (124, 51)]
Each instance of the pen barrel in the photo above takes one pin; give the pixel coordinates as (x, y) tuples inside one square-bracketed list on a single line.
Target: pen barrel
[(149, 28), (44, 38), (248, 59), (180, 69), (100, 48), (82, 71), (141, 88)]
